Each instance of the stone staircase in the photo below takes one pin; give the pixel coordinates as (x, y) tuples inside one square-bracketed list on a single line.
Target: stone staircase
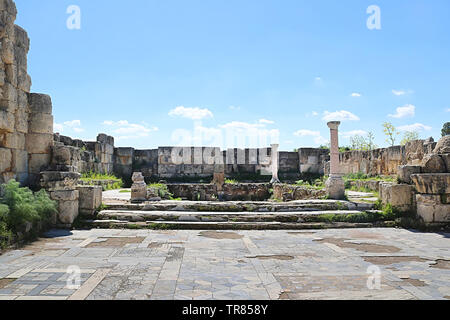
[(243, 215)]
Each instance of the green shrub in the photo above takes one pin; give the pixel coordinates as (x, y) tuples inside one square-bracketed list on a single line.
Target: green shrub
[(162, 190), (231, 181), (114, 182), (5, 233), (24, 206)]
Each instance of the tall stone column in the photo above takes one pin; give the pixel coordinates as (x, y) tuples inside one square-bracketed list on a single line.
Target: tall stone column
[(275, 164), (335, 184)]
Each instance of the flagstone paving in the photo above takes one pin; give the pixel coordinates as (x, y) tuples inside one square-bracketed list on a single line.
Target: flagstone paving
[(231, 265)]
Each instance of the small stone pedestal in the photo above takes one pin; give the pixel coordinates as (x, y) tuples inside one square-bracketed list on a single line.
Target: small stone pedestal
[(335, 185), (139, 188)]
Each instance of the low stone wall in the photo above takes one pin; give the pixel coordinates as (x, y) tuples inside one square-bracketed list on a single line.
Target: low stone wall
[(373, 185), (288, 192), (230, 192)]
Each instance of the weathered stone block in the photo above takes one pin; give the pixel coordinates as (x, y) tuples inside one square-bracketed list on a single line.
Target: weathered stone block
[(443, 146), (400, 196), (20, 160), (64, 195), (431, 209), (90, 199), (434, 163), (58, 180), (41, 123), (405, 172), (446, 158), (432, 183), (5, 159), (12, 140), (40, 103), (21, 120), (7, 51), (38, 162), (68, 211), (39, 142), (6, 121), (21, 38)]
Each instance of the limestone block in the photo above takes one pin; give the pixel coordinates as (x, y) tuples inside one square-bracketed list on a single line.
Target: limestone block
[(20, 56), (400, 196), (443, 145), (21, 120), (23, 80), (90, 199), (68, 211), (9, 92), (6, 121), (138, 192), (11, 74), (64, 195), (7, 51), (9, 6), (59, 180), (446, 158), (137, 177), (20, 160), (2, 75), (5, 160), (40, 103), (22, 99), (38, 162), (39, 142), (432, 183), (431, 209), (433, 163), (41, 123), (105, 139), (21, 38), (61, 155), (335, 187), (12, 140)]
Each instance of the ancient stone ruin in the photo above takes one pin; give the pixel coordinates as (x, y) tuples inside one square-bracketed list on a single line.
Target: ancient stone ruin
[(34, 155)]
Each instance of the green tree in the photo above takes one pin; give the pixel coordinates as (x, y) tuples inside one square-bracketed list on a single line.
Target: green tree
[(446, 129), (391, 133), (367, 143), (409, 136)]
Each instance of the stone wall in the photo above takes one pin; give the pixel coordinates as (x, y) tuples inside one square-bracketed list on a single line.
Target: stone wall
[(385, 161), (26, 122)]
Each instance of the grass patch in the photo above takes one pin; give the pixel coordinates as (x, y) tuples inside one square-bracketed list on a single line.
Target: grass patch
[(125, 191), (107, 181), (231, 181)]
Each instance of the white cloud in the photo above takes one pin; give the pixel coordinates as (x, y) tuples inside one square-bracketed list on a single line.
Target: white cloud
[(191, 113), (406, 111), (265, 121), (339, 116), (417, 127), (398, 92), (356, 95), (238, 125), (234, 108), (349, 134), (57, 127), (448, 110), (401, 92), (122, 129), (318, 139), (315, 113), (74, 125)]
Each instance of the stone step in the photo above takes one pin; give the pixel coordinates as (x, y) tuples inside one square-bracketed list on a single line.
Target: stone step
[(183, 216), (178, 225), (242, 206)]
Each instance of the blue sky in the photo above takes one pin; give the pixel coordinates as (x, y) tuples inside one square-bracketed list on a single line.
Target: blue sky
[(149, 72)]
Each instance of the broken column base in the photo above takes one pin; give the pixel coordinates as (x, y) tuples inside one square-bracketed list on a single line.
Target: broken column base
[(335, 187)]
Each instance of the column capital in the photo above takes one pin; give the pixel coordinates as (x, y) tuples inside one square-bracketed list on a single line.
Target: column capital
[(333, 125)]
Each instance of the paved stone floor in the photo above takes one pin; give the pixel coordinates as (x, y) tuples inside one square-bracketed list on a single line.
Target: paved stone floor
[(233, 265)]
